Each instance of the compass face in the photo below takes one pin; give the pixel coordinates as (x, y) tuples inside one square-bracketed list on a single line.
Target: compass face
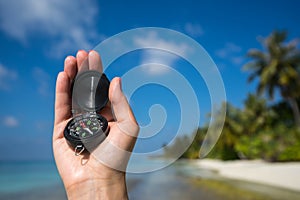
[(85, 127), (87, 130)]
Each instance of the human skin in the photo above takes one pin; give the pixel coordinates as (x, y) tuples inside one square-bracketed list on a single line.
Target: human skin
[(85, 176)]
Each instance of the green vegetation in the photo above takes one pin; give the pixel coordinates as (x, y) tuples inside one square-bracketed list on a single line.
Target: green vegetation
[(262, 129), (258, 131), (277, 68)]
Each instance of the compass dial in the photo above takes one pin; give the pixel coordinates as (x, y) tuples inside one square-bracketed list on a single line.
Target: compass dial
[(85, 127)]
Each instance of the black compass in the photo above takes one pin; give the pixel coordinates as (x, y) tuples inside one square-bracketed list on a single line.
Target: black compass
[(87, 129)]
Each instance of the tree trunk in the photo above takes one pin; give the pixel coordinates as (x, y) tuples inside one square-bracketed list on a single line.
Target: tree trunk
[(295, 109)]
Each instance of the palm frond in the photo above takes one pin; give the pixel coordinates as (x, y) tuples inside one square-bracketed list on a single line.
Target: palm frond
[(252, 77), (256, 54), (260, 89), (277, 66)]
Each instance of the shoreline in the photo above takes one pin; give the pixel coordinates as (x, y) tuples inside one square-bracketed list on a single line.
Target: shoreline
[(187, 179), (283, 175)]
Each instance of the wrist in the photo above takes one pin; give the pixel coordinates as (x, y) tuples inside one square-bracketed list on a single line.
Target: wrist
[(98, 189)]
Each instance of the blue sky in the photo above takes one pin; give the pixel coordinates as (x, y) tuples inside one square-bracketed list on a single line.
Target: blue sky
[(36, 36)]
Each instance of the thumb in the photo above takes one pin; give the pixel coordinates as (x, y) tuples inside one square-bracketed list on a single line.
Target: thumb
[(122, 112)]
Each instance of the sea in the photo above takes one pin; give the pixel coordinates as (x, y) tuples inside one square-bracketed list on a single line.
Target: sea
[(32, 180)]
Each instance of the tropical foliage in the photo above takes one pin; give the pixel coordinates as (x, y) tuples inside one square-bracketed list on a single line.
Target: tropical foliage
[(262, 128), (256, 131), (277, 67)]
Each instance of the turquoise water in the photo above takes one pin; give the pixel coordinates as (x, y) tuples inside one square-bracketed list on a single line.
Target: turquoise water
[(40, 180), (25, 176)]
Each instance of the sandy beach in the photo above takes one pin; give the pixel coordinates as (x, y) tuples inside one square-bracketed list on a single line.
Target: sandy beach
[(285, 175), (184, 179)]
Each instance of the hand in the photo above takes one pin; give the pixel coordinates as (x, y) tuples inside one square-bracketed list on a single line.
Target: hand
[(85, 176)]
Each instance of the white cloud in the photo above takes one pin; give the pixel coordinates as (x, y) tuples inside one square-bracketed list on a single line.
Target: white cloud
[(160, 54), (43, 80), (157, 57), (194, 30), (228, 50), (68, 24), (6, 77), (232, 53), (152, 39), (10, 121), (237, 60)]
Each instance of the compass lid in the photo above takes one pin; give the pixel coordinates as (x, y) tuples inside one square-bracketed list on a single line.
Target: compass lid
[(89, 92)]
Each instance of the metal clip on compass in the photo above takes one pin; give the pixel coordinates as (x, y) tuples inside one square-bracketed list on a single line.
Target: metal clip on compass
[(87, 129)]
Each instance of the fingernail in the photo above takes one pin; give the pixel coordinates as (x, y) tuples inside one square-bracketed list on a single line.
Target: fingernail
[(67, 59), (91, 52), (80, 51)]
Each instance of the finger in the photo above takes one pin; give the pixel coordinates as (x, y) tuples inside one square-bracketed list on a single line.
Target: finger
[(95, 62), (71, 67), (116, 149), (82, 61), (121, 109), (106, 112), (62, 98)]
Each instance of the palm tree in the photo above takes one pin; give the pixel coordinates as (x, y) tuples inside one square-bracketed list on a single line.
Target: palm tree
[(278, 68)]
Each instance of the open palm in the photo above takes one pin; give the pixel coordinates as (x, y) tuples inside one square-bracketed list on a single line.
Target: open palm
[(87, 169)]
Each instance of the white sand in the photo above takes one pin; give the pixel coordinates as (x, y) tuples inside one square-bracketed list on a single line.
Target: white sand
[(286, 175)]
